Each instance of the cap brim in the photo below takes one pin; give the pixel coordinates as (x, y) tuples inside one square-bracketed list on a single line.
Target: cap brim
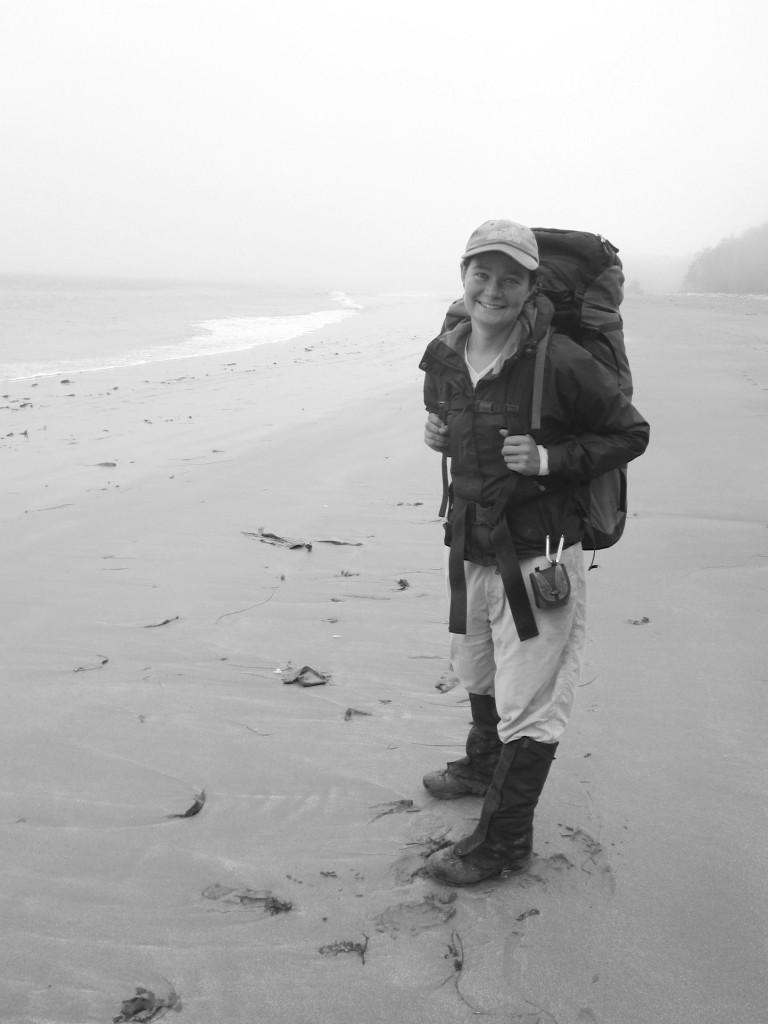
[(523, 258)]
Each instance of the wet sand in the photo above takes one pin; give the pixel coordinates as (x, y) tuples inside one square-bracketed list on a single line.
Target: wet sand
[(149, 627)]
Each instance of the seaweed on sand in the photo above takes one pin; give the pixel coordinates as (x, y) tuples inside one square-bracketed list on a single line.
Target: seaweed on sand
[(145, 1006), (345, 946)]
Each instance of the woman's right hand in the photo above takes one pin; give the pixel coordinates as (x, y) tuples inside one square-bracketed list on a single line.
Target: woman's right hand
[(435, 433)]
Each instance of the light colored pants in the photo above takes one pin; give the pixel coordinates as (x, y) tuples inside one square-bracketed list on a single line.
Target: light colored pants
[(534, 680)]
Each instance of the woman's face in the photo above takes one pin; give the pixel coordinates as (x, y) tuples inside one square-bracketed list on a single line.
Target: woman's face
[(495, 290)]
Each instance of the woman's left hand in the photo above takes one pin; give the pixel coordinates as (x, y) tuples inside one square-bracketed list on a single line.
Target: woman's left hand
[(520, 453)]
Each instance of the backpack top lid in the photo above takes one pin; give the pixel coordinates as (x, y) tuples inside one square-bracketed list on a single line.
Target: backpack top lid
[(583, 276), (585, 248)]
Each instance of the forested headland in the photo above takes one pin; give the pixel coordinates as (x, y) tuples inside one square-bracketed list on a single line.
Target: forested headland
[(737, 265)]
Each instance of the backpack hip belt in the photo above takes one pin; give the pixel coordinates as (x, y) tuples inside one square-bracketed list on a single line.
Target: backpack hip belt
[(506, 560)]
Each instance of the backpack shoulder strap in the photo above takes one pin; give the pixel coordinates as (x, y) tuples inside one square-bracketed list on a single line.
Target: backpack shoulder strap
[(538, 380)]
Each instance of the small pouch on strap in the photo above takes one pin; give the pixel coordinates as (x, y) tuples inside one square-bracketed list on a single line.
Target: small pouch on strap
[(551, 586)]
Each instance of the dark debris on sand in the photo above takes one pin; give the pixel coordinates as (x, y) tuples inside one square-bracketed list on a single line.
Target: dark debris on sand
[(192, 810), (345, 946), (305, 676), (395, 807), (145, 1006), (246, 897), (277, 541)]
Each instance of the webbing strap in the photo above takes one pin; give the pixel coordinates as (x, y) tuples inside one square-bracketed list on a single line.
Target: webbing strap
[(512, 578), (538, 380), (457, 616), (446, 490), (509, 569)]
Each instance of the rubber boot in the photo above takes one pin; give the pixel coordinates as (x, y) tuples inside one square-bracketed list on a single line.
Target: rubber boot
[(471, 775), (503, 839)]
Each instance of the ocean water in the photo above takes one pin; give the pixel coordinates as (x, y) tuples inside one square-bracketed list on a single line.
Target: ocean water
[(54, 325)]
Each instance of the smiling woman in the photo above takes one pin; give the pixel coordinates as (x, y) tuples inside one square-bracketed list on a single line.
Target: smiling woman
[(498, 271), (495, 290), (514, 486)]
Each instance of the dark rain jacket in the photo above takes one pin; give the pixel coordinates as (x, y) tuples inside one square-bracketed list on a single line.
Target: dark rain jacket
[(587, 426)]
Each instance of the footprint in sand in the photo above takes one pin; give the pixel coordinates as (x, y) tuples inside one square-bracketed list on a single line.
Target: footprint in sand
[(416, 917), (586, 857), (427, 834), (408, 867)]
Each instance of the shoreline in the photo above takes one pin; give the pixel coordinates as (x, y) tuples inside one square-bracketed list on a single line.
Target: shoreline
[(219, 326), (131, 415), (276, 330)]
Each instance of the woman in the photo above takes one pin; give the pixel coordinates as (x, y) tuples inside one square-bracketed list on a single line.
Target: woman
[(516, 490)]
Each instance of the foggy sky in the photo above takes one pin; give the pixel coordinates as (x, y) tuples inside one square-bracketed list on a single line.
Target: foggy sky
[(353, 144)]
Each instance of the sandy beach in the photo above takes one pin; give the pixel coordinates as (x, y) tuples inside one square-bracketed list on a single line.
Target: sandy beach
[(175, 817)]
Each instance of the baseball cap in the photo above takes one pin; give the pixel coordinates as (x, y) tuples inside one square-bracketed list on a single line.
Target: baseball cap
[(514, 240)]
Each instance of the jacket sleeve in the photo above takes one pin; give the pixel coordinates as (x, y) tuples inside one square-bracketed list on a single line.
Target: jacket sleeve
[(430, 394), (588, 425), (431, 390)]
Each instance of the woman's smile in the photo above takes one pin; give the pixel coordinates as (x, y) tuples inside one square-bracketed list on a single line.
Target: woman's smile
[(495, 289)]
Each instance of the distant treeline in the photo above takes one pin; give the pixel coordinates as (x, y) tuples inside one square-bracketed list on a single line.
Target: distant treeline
[(735, 265)]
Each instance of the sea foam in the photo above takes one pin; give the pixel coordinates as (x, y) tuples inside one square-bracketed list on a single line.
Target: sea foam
[(208, 338), (232, 334), (345, 300)]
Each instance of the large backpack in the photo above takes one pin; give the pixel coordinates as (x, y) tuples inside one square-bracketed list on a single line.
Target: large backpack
[(582, 276)]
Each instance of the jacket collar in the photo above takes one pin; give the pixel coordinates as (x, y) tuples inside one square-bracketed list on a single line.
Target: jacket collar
[(519, 337)]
